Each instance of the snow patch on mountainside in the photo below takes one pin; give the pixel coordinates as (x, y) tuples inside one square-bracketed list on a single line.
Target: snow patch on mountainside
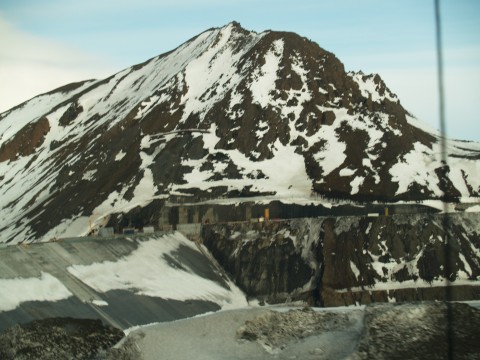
[(76, 226), (333, 153), (32, 110), (416, 166), (409, 284), (285, 171), (475, 208), (120, 155), (264, 78), (216, 67), (419, 165), (356, 183)]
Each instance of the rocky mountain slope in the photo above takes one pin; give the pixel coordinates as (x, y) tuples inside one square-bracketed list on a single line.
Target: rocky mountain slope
[(230, 113)]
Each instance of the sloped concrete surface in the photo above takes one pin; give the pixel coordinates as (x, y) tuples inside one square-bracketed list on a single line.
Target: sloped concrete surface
[(120, 308)]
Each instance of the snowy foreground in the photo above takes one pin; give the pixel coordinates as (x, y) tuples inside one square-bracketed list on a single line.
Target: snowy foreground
[(255, 333), (383, 331)]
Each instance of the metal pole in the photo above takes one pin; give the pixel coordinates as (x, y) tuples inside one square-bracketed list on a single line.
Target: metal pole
[(446, 218)]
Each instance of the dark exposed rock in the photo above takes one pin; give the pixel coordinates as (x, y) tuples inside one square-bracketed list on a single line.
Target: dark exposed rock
[(423, 330), (265, 264), (126, 350), (58, 338), (274, 330), (70, 114), (25, 141), (420, 331), (451, 194)]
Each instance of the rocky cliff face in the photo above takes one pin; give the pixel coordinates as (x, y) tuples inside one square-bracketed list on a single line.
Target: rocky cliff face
[(263, 260), (348, 260), (230, 113)]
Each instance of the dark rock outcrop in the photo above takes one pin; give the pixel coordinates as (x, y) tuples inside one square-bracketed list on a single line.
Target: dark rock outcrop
[(58, 338), (70, 114), (275, 329), (420, 331), (26, 141), (262, 260), (351, 260)]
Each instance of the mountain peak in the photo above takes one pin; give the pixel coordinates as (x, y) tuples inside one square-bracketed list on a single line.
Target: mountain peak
[(229, 113), (235, 24)]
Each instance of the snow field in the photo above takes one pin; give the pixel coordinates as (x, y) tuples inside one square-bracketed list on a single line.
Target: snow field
[(264, 79), (285, 172), (18, 290)]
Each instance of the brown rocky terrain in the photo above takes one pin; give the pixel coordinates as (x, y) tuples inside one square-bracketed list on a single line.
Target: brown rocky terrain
[(25, 141)]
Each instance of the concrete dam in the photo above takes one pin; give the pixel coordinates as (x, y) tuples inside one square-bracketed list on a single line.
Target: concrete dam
[(124, 281), (324, 261)]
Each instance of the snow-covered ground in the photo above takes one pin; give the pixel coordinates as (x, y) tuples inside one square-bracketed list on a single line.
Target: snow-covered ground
[(382, 331), (217, 336), (18, 290)]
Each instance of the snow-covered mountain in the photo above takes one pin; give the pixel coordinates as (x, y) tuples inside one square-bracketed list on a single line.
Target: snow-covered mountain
[(230, 113)]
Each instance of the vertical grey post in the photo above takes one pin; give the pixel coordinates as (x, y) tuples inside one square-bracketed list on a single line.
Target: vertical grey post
[(443, 144)]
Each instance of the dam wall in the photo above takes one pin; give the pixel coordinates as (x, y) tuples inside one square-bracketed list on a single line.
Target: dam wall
[(124, 281)]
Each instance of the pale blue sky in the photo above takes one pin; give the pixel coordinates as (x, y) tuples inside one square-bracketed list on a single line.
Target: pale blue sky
[(45, 43)]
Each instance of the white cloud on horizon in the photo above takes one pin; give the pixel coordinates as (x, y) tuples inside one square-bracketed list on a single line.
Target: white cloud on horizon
[(417, 89), (31, 65), (413, 77)]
